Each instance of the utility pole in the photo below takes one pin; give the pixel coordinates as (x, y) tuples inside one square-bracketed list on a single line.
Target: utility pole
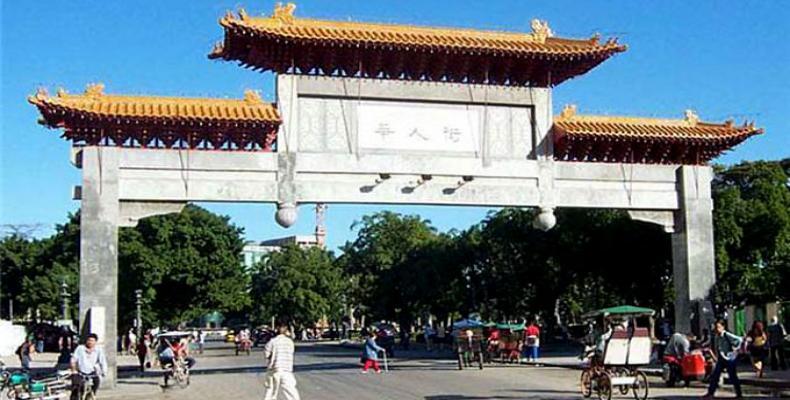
[(320, 227), (64, 293), (139, 301)]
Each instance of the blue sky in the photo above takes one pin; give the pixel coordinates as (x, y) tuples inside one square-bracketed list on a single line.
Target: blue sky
[(722, 58)]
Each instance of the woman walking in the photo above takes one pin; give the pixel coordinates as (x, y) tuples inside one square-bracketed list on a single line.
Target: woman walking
[(370, 354), (727, 349), (757, 341)]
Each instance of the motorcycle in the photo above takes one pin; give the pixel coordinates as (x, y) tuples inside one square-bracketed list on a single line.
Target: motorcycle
[(691, 367)]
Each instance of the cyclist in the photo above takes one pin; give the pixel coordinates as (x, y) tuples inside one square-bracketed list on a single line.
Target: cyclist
[(169, 352), (87, 361)]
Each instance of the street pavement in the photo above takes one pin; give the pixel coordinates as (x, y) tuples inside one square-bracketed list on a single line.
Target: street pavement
[(328, 371)]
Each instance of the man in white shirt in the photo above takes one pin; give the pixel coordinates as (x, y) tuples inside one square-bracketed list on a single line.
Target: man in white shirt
[(88, 359), (279, 353)]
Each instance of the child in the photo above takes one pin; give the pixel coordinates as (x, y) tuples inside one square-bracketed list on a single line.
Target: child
[(371, 353)]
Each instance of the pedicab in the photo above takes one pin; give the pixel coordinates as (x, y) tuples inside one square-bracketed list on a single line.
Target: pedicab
[(621, 349), (469, 340), (511, 340), (178, 367)]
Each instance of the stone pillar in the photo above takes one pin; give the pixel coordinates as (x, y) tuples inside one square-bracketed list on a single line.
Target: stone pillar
[(99, 250), (693, 256)]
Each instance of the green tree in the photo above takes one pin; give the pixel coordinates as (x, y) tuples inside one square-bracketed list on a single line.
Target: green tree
[(752, 231), (187, 264), (34, 270), (299, 285), (381, 264)]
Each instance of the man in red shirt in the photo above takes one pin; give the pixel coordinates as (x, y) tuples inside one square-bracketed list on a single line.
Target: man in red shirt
[(532, 341)]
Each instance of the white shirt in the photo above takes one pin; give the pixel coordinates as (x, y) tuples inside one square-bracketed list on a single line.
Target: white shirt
[(279, 353), (89, 362)]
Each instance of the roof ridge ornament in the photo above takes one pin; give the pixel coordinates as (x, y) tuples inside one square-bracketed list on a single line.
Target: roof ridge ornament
[(568, 111), (243, 14), (41, 93), (252, 97), (284, 13), (691, 117), (94, 90), (541, 30)]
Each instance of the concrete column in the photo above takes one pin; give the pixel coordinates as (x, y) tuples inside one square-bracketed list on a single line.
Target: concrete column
[(692, 243), (99, 250)]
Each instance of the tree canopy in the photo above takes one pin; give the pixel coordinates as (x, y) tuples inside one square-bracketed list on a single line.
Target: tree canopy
[(187, 264), (298, 285)]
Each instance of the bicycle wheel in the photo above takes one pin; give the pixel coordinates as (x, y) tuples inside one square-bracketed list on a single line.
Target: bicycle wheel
[(623, 372), (640, 387), (182, 377), (87, 394), (586, 383), (604, 386)]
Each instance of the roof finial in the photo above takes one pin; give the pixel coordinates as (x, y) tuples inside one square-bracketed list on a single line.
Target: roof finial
[(41, 93), (218, 49), (60, 92), (94, 90), (243, 14), (568, 111), (691, 117), (541, 30), (285, 13), (252, 97)]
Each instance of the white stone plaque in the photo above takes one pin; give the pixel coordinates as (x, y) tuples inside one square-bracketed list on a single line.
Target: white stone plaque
[(398, 126)]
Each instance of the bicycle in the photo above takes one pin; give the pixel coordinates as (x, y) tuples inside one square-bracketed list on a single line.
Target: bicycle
[(179, 370), (86, 390)]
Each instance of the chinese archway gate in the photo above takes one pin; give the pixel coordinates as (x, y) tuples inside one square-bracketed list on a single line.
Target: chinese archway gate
[(389, 114)]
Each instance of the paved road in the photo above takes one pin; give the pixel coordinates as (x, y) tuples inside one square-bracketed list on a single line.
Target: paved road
[(326, 371)]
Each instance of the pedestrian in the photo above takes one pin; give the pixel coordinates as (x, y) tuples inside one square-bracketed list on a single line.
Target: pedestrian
[(65, 339), (776, 338), (279, 355), (132, 342), (532, 341), (678, 346), (201, 339), (405, 338), (87, 362), (64, 359), (440, 333), (40, 342), (727, 348), (428, 333), (142, 353), (370, 354), (24, 352), (757, 344)]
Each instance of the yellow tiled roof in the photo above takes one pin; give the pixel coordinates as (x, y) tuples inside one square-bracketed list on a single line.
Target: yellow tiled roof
[(94, 102), (644, 140), (689, 128), (540, 41), (283, 43)]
